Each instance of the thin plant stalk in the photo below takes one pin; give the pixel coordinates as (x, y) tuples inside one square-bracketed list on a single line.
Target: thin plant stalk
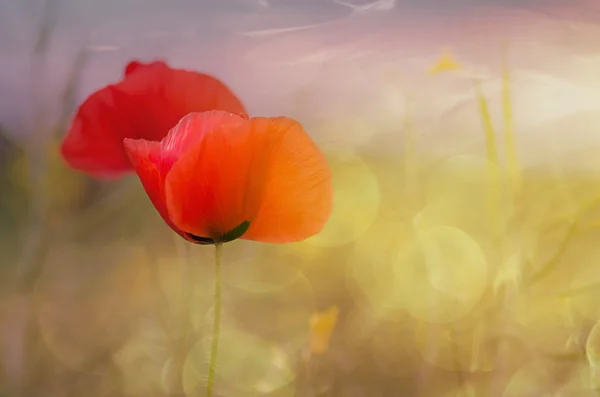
[(460, 377), (494, 185), (492, 157), (512, 161), (23, 362), (214, 349), (409, 150)]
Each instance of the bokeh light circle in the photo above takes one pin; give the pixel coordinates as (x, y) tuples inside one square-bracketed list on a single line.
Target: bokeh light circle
[(468, 192), (370, 274), (592, 347), (456, 347), (535, 378), (247, 365), (141, 361), (547, 322), (355, 203), (258, 268), (441, 275)]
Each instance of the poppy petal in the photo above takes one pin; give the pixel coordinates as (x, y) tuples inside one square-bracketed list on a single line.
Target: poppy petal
[(267, 172), (132, 67), (198, 92), (206, 190), (93, 144), (146, 104), (190, 131), (297, 196), (137, 65), (145, 156)]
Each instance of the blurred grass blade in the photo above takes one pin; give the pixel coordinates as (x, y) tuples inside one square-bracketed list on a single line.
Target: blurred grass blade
[(68, 100), (47, 25), (555, 260), (492, 157), (488, 128), (409, 150), (553, 263), (512, 162)]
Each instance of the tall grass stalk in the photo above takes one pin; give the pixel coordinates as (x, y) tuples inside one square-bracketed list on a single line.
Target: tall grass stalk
[(493, 173), (512, 162)]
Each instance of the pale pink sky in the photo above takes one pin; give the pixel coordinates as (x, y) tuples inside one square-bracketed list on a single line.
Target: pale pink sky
[(331, 61)]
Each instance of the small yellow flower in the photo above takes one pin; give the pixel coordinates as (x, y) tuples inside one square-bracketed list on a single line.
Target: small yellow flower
[(321, 327), (445, 62)]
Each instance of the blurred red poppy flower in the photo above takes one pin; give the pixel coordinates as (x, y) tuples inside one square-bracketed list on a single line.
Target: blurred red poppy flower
[(147, 103), (217, 177)]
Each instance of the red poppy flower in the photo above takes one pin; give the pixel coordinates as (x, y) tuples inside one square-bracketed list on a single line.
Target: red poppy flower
[(147, 103), (217, 177)]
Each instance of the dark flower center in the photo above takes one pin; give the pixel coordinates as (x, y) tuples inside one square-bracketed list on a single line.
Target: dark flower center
[(199, 240), (231, 235)]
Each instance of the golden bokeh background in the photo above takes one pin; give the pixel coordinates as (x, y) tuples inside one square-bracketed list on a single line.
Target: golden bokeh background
[(463, 271), (433, 293)]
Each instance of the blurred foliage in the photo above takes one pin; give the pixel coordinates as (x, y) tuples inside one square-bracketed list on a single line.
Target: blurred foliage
[(408, 288), (11, 208)]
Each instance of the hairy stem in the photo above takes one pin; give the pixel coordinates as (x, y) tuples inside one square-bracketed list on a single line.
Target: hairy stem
[(214, 349)]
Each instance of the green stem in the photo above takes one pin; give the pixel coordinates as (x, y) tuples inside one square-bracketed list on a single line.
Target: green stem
[(214, 349)]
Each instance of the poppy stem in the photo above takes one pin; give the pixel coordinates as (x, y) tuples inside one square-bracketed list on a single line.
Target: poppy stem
[(214, 349)]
